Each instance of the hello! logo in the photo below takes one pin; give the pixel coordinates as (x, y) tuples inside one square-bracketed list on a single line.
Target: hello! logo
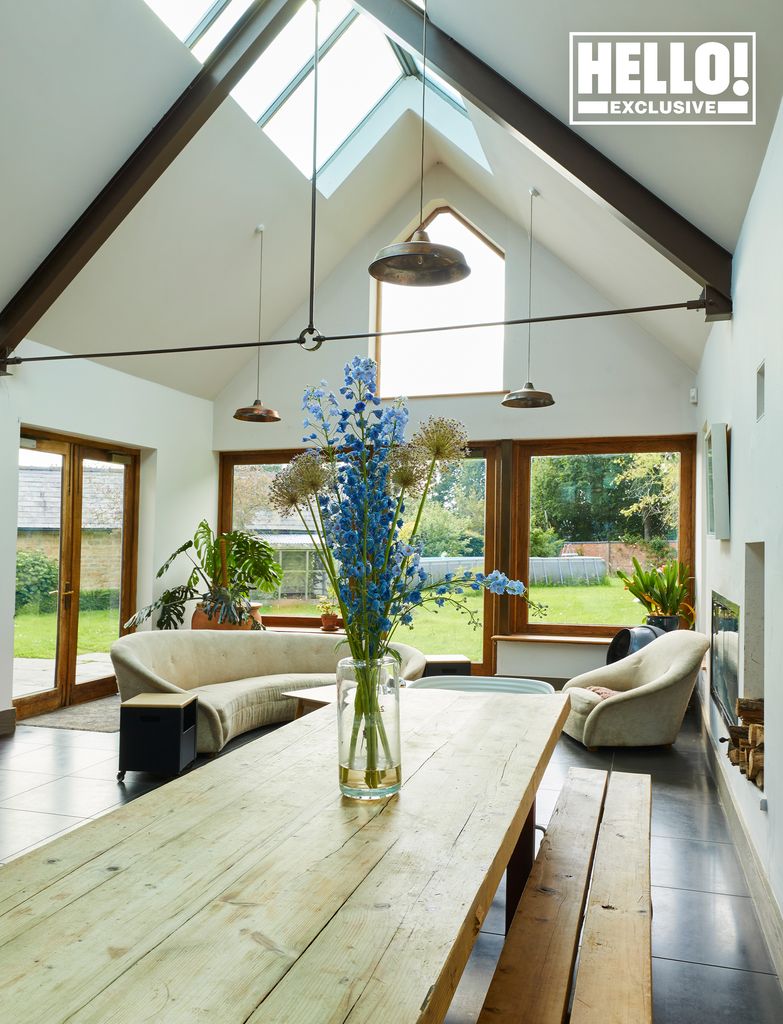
[(663, 77)]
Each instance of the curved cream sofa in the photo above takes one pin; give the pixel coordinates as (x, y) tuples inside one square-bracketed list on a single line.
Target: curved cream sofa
[(238, 676), (655, 683)]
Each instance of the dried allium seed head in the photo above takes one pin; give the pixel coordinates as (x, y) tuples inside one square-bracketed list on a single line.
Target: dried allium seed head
[(442, 438)]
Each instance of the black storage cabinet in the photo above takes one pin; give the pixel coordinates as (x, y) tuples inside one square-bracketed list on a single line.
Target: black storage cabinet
[(157, 733)]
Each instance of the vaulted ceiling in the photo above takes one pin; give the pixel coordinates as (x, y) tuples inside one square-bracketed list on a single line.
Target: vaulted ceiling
[(81, 86)]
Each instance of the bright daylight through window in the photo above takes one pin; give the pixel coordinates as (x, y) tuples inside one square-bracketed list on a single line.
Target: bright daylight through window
[(591, 515), (446, 365), (452, 533)]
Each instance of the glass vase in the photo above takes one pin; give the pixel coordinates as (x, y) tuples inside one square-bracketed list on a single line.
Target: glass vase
[(368, 728)]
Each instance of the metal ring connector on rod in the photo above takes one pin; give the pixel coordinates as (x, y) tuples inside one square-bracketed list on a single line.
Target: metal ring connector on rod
[(311, 334)]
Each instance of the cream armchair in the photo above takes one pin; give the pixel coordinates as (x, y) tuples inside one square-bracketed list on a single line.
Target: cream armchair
[(654, 685)]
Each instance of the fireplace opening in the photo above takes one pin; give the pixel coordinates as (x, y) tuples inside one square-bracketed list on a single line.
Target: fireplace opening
[(724, 657)]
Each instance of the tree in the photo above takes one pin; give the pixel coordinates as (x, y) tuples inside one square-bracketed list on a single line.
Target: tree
[(442, 532), (250, 494), (652, 481), (578, 497)]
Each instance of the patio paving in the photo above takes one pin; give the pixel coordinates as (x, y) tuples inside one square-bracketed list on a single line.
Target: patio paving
[(33, 675)]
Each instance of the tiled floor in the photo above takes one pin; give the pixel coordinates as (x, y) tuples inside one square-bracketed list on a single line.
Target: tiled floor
[(710, 961)]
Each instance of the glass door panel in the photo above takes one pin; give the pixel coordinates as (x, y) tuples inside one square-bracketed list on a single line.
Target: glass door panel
[(39, 544), (100, 547)]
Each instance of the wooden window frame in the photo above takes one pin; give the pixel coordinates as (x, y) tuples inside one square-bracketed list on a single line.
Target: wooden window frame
[(488, 450), (519, 518), (444, 208)]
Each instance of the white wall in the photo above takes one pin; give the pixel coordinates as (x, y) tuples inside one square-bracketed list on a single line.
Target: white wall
[(178, 472), (727, 383), (609, 377)]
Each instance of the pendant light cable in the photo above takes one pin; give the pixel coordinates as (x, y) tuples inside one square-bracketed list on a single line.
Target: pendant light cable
[(260, 231), (533, 194), (313, 189), (423, 107)]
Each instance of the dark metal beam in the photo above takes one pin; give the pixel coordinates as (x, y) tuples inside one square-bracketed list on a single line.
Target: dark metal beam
[(651, 218), (235, 55)]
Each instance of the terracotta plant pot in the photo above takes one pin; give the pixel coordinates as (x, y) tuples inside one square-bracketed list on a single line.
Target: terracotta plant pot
[(200, 620), (329, 623)]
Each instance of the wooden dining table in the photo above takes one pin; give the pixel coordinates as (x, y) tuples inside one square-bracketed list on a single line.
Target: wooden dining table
[(251, 890)]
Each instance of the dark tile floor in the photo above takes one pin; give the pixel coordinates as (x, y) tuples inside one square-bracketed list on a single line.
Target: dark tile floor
[(710, 960)]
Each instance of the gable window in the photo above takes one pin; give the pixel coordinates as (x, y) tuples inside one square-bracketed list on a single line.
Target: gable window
[(446, 363)]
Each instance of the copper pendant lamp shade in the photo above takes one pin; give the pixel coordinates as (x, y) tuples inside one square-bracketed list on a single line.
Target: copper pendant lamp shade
[(528, 397), (258, 412), (419, 262)]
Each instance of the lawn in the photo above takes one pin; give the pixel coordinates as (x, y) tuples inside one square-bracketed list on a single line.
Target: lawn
[(443, 632), (606, 604), (35, 634)]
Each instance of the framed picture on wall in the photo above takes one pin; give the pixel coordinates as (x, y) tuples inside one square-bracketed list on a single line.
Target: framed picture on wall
[(716, 466)]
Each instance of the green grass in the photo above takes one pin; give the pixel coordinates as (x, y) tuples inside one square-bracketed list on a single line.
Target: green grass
[(447, 631), (443, 632), (35, 634), (607, 604)]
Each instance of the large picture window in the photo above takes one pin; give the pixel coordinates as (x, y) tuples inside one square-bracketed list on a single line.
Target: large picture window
[(455, 532), (588, 509), (447, 364), (561, 515)]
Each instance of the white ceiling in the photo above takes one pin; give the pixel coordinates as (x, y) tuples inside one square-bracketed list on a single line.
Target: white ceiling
[(706, 173), (182, 267)]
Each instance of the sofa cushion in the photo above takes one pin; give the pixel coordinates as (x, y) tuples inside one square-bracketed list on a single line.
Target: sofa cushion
[(244, 704)]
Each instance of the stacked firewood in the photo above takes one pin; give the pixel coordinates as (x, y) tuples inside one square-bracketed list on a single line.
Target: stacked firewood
[(746, 741)]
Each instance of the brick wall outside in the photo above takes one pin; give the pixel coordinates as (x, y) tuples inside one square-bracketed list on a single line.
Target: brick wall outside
[(616, 554), (101, 554)]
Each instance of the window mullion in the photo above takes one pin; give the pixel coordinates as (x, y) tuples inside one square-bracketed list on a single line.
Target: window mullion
[(206, 22), (302, 74)]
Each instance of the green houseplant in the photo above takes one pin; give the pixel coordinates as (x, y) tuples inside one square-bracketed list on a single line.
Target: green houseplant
[(225, 570), (327, 609), (663, 591)]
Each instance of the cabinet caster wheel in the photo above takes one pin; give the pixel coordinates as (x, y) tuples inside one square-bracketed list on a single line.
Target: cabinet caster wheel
[(120, 776)]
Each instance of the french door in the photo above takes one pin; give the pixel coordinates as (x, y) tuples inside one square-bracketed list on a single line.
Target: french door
[(75, 570)]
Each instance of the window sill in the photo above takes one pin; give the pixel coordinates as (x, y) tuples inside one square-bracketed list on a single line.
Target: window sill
[(538, 638)]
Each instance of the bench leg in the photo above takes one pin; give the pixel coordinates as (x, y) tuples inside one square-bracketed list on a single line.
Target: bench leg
[(520, 865)]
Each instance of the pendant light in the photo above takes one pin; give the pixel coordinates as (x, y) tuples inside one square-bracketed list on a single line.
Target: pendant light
[(528, 397), (258, 412), (419, 261)]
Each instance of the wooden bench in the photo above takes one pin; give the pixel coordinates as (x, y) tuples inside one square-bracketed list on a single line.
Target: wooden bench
[(598, 841)]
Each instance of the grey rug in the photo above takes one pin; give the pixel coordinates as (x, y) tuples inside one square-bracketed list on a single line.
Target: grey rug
[(93, 716)]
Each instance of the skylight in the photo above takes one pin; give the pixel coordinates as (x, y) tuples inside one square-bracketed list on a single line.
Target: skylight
[(358, 66), (181, 16), (273, 74), (361, 55)]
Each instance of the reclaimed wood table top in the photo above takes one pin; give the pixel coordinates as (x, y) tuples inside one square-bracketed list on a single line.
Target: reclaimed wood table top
[(250, 890)]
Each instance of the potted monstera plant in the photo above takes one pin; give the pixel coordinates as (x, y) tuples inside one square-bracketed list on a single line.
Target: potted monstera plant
[(664, 592), (225, 569)]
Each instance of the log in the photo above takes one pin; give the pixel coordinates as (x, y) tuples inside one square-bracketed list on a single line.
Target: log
[(759, 780), (750, 710), (756, 735), (737, 733), (755, 762), (734, 755)]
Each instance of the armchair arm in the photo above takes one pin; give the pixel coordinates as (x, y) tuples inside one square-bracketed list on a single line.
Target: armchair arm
[(619, 676)]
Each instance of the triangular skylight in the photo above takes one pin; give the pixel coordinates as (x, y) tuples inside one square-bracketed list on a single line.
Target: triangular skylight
[(359, 67)]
